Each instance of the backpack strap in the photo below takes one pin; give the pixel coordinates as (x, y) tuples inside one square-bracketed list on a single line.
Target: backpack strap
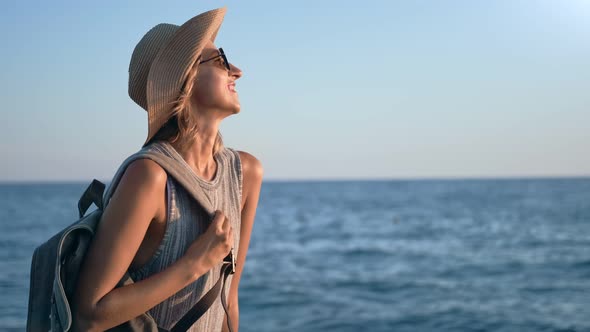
[(205, 302), (92, 194)]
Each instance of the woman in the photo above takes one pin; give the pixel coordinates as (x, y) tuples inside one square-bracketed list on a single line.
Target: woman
[(152, 227)]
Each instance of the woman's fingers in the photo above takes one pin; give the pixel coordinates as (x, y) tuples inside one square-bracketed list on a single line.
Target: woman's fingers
[(222, 226)]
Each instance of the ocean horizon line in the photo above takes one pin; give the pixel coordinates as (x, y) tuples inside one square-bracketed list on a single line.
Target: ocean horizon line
[(335, 179)]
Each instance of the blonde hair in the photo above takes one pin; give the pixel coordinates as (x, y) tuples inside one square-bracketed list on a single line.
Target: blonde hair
[(182, 125)]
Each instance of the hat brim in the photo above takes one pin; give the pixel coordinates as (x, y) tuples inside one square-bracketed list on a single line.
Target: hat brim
[(173, 62)]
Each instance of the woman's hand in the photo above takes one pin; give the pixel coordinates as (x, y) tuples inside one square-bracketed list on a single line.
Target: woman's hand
[(209, 249)]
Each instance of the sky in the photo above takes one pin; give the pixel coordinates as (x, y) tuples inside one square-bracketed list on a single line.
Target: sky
[(331, 89)]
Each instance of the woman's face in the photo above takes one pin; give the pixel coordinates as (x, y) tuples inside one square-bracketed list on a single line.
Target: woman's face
[(214, 88)]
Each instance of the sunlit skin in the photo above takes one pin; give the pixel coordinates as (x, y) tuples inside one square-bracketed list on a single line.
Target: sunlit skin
[(134, 222), (214, 98)]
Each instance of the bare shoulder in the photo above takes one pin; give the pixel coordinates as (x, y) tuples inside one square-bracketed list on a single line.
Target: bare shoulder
[(251, 166), (252, 173), (145, 173), (142, 178), (146, 169)]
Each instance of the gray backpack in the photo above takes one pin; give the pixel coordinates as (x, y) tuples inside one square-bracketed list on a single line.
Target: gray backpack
[(56, 263)]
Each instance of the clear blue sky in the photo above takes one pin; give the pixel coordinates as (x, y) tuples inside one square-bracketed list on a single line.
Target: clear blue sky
[(331, 89)]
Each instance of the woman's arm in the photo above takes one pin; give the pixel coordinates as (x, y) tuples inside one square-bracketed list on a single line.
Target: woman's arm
[(136, 202), (252, 173)]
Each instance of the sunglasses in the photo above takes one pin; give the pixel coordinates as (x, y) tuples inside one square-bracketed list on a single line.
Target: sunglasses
[(222, 55)]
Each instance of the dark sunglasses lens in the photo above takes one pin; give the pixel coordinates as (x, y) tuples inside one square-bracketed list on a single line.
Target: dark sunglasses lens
[(226, 63), (224, 58)]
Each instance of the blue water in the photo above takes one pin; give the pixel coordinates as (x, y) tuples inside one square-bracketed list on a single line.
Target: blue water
[(450, 255)]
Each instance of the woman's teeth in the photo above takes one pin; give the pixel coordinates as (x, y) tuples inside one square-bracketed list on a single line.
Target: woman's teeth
[(232, 87)]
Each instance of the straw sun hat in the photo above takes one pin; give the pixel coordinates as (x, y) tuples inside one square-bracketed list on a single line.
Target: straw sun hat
[(161, 61)]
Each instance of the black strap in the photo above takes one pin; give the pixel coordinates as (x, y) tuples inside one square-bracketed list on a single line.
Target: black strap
[(205, 303), (93, 194)]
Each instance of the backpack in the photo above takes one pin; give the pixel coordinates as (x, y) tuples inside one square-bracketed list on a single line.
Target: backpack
[(56, 263)]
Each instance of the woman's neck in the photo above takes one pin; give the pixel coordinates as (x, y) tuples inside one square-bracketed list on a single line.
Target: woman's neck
[(199, 153)]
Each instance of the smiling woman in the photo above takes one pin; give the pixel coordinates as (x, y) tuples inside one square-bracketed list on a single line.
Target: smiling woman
[(182, 125), (153, 228)]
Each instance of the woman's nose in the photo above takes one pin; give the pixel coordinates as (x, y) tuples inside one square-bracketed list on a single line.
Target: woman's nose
[(235, 71)]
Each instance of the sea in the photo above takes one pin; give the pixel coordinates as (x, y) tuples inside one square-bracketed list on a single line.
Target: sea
[(380, 255)]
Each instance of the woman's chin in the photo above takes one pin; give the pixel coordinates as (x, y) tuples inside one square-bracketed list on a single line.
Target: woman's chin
[(229, 109), (235, 108)]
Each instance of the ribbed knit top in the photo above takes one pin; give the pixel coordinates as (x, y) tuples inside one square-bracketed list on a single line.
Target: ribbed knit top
[(185, 221)]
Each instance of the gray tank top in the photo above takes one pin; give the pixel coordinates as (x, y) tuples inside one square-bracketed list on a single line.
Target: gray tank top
[(185, 221)]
